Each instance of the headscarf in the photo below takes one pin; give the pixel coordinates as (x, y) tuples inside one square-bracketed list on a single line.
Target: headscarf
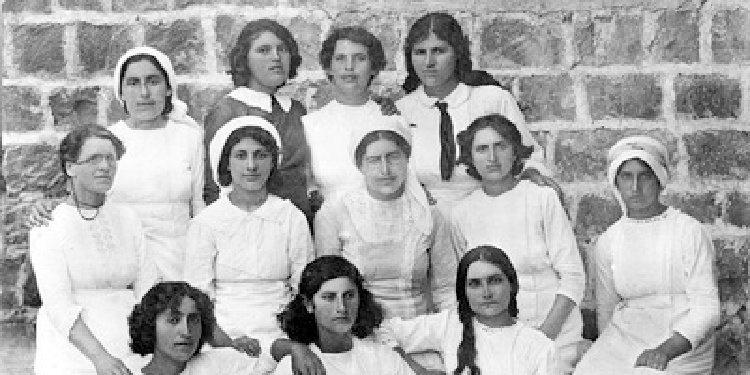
[(179, 108), (221, 136), (644, 148), (417, 207)]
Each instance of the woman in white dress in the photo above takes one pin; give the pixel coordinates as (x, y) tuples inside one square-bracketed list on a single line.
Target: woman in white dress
[(529, 223), (170, 325), (656, 291), (90, 265), (332, 315), (483, 332), (247, 249)]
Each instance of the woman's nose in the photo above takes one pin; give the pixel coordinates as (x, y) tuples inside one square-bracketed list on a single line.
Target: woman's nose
[(145, 91), (431, 61)]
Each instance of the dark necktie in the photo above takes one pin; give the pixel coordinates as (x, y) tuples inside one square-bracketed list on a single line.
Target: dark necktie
[(447, 142), (275, 106)]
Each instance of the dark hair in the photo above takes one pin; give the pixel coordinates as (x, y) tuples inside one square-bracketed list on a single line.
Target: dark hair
[(502, 126), (467, 352), (238, 56), (371, 137), (354, 34), (70, 146), (162, 297), (152, 60), (299, 324), (447, 28), (257, 134)]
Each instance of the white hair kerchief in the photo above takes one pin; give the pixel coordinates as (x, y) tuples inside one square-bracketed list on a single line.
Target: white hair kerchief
[(179, 108), (220, 139), (644, 148)]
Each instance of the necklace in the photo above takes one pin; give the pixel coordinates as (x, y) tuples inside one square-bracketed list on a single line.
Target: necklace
[(78, 207)]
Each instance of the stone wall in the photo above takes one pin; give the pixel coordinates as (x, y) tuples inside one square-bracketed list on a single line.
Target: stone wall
[(586, 72)]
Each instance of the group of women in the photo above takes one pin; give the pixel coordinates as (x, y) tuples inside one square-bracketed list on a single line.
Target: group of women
[(441, 243)]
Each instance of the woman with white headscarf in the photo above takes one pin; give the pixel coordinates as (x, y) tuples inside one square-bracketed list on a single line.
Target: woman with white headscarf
[(656, 291), (248, 248)]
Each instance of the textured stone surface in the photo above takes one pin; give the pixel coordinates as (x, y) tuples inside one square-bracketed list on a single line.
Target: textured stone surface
[(182, 41), (139, 5), (30, 168), (82, 4), (26, 5), (74, 107), (100, 46), (547, 98), (730, 36), (676, 37), (628, 96), (706, 96), (718, 154), (385, 26), (41, 48), (595, 215), (227, 29), (704, 207), (200, 99), (309, 36), (606, 39), (179, 4), (21, 108), (738, 209), (512, 42)]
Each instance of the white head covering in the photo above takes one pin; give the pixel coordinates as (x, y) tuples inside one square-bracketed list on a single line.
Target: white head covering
[(645, 148), (179, 108), (221, 136)]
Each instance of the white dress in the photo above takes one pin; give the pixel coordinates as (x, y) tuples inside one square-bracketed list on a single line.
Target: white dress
[(218, 361), (512, 350), (160, 176), (654, 277), (329, 131), (365, 358), (94, 270), (529, 224), (248, 262), (465, 104)]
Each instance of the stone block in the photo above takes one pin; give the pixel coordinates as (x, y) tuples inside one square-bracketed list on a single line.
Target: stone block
[(627, 96), (200, 99), (73, 107), (182, 40), (548, 98), (95, 5), (139, 5), (21, 108), (738, 209), (30, 168), (100, 46), (677, 36), (510, 43), (608, 39), (227, 28), (718, 154), (730, 36), (181, 4), (41, 6), (732, 347), (707, 96), (309, 36), (732, 257), (16, 235), (384, 25), (703, 207), (595, 214), (39, 48)]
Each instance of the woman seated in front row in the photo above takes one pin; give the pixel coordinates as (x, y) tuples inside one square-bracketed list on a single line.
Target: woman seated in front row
[(656, 292)]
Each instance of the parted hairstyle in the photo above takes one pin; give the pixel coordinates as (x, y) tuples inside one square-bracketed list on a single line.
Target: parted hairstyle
[(467, 351), (354, 34), (259, 135), (163, 297), (506, 128), (299, 324), (387, 135), (238, 56), (70, 146), (152, 60)]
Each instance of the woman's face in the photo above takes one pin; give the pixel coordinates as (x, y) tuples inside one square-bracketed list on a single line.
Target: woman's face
[(639, 187), (250, 165), (488, 291), (144, 90), (434, 61), (492, 155), (384, 166), (96, 166), (178, 331), (335, 306), (269, 61), (351, 69)]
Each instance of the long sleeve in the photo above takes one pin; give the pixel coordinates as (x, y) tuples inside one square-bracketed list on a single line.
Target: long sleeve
[(604, 284), (457, 238), (148, 274), (701, 288), (200, 258), (327, 229), (300, 248), (197, 181), (563, 249), (443, 264), (418, 334)]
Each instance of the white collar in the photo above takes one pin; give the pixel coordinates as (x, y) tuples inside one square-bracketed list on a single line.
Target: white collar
[(258, 99), (459, 95)]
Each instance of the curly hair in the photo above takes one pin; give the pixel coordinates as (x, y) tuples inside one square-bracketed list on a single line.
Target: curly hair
[(502, 126), (467, 352), (238, 56), (162, 297), (70, 146), (152, 60), (300, 325), (388, 135), (255, 133), (354, 34)]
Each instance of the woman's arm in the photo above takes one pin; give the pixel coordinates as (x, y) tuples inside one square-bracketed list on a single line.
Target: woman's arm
[(300, 248), (198, 178), (105, 364), (327, 228), (443, 264), (200, 258), (604, 283)]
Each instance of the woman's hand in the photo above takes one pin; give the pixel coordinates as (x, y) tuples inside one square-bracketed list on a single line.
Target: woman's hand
[(246, 345), (106, 364), (659, 357), (40, 214), (304, 361), (653, 358)]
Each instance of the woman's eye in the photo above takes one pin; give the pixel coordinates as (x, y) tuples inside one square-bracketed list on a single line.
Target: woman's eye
[(496, 280), (174, 319), (419, 51), (263, 155), (282, 48), (131, 81), (482, 148), (473, 283)]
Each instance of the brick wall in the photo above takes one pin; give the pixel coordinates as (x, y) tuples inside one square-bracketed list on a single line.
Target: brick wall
[(586, 74)]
